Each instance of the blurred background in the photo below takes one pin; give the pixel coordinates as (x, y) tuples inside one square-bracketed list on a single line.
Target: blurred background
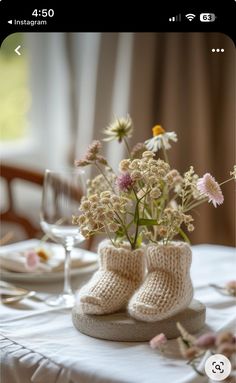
[(65, 88)]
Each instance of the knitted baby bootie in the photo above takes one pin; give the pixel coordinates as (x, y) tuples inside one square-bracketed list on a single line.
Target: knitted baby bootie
[(120, 273), (167, 288)]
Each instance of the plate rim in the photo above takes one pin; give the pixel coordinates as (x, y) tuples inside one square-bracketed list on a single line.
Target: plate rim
[(44, 275)]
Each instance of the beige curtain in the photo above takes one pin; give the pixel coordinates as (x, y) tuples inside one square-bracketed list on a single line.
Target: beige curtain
[(172, 79)]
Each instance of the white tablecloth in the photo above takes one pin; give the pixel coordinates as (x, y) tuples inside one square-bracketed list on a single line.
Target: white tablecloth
[(39, 344)]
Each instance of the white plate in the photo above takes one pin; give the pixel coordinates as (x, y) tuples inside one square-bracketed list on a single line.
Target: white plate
[(51, 276)]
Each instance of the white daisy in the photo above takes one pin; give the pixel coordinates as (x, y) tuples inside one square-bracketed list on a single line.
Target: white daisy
[(120, 129), (160, 139)]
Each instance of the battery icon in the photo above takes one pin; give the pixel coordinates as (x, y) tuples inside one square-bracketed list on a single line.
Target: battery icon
[(207, 17)]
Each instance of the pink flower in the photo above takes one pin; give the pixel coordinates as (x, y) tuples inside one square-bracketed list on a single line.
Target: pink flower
[(158, 341), (32, 260), (208, 186), (206, 340), (124, 182)]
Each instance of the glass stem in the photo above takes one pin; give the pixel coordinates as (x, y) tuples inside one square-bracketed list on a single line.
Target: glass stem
[(67, 284)]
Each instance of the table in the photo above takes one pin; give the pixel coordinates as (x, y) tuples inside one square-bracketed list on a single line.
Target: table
[(39, 344)]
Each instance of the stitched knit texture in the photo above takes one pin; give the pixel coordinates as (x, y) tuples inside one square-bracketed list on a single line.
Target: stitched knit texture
[(167, 288), (120, 273)]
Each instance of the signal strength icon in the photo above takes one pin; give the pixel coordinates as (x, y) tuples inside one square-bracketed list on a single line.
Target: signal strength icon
[(190, 16), (175, 18)]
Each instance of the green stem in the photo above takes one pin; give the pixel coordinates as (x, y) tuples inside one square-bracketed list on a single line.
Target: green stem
[(127, 147), (224, 182), (164, 152), (140, 199), (124, 228), (137, 224), (185, 237), (190, 207), (104, 175), (109, 235)]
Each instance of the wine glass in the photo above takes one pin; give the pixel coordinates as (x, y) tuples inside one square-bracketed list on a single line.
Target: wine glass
[(62, 192)]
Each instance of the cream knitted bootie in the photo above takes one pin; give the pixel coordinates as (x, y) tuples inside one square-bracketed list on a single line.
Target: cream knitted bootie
[(167, 288), (120, 273)]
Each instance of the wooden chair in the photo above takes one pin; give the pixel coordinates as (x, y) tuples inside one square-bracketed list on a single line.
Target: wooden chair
[(10, 174)]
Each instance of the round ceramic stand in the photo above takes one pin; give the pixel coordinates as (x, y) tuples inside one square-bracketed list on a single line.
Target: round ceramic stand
[(121, 327)]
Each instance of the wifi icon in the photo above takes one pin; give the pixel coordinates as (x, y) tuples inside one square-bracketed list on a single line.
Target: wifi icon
[(190, 16)]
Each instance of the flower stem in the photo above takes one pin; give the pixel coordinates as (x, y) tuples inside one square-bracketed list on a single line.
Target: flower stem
[(224, 182), (125, 229), (164, 152), (109, 235), (184, 235), (127, 147), (104, 175), (136, 214), (190, 207)]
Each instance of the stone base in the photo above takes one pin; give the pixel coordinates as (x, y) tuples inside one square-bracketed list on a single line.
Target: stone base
[(123, 328)]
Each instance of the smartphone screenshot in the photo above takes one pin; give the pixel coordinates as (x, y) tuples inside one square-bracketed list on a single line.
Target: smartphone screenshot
[(118, 169)]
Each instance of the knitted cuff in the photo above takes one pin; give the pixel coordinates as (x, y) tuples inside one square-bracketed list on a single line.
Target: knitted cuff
[(128, 263), (169, 257)]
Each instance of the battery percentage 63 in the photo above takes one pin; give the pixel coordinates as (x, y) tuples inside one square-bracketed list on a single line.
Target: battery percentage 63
[(207, 17)]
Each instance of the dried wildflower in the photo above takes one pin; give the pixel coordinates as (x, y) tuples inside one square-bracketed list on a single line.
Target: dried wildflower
[(124, 182), (224, 337), (136, 175), (185, 334), (159, 198), (124, 165), (182, 346), (155, 193), (148, 154), (138, 150), (191, 352), (169, 222), (158, 341), (135, 164), (194, 350), (94, 147), (173, 178), (92, 155), (98, 184), (163, 231), (160, 139), (101, 160), (190, 227), (206, 340), (188, 218), (82, 162), (120, 129), (208, 186)]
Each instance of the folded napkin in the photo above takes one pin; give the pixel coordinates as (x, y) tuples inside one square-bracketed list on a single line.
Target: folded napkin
[(16, 261)]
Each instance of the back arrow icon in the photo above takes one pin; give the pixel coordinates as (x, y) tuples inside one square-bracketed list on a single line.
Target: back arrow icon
[(17, 50)]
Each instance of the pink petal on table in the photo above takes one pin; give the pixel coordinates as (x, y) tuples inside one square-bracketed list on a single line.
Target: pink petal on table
[(32, 260), (158, 340)]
